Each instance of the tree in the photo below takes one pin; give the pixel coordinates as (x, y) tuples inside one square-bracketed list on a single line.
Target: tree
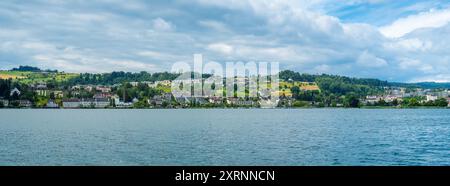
[(441, 102), (382, 103), (295, 91), (300, 104), (413, 102), (351, 101), (395, 102)]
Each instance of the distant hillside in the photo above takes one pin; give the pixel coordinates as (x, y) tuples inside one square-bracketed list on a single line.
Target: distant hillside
[(333, 83), (295, 76), (31, 69), (424, 85)]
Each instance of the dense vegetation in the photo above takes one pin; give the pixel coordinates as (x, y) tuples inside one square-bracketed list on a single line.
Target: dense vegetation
[(31, 69), (120, 77), (334, 90)]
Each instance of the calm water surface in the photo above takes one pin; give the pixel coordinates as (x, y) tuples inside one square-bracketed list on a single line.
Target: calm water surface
[(225, 137)]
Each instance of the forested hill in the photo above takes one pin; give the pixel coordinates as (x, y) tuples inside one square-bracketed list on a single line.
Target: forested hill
[(296, 76), (338, 85), (120, 77), (31, 69), (325, 81), (424, 85)]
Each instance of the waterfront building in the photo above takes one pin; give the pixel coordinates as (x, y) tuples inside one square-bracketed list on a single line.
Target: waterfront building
[(25, 103), (71, 103), (4, 102), (51, 104)]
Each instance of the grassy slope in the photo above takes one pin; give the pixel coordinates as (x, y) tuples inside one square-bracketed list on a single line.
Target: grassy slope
[(35, 77)]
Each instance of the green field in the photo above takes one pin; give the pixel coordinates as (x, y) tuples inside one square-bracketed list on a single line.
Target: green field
[(35, 77)]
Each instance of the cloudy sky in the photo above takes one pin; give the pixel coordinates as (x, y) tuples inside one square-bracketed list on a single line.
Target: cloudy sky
[(397, 40)]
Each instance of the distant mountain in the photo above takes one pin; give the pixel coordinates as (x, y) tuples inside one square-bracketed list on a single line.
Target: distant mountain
[(423, 85)]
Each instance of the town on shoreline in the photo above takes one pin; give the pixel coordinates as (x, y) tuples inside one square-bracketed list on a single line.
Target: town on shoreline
[(30, 87)]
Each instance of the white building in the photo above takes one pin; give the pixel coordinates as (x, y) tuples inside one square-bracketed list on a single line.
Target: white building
[(14, 91), (71, 103), (431, 98)]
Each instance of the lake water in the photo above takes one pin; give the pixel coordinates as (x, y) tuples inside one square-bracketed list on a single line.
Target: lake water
[(225, 137)]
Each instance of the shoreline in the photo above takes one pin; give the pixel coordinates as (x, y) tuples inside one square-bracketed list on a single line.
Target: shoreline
[(231, 108)]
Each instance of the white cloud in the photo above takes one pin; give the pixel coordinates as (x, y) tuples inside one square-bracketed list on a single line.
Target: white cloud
[(323, 68), (155, 35), (72, 62), (221, 48), (414, 64), (413, 44), (369, 60), (159, 55), (162, 25), (431, 19), (40, 46), (214, 25)]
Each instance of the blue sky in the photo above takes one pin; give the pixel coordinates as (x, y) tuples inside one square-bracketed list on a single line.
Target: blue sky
[(399, 40)]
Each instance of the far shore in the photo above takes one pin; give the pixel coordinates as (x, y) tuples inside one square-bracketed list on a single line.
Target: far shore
[(231, 108)]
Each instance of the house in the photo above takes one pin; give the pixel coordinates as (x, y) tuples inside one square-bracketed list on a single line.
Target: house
[(431, 98), (232, 101), (88, 88), (4, 102), (58, 94), (247, 103), (189, 100), (71, 103), (52, 104), (164, 83), (95, 103), (167, 97), (41, 86), (120, 104), (76, 87), (25, 103), (372, 99), (151, 84), (201, 101), (75, 93), (103, 89), (180, 100), (134, 84), (101, 103), (42, 92), (448, 101), (14, 91), (102, 95), (87, 103), (216, 100), (391, 98), (157, 100), (268, 103)]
